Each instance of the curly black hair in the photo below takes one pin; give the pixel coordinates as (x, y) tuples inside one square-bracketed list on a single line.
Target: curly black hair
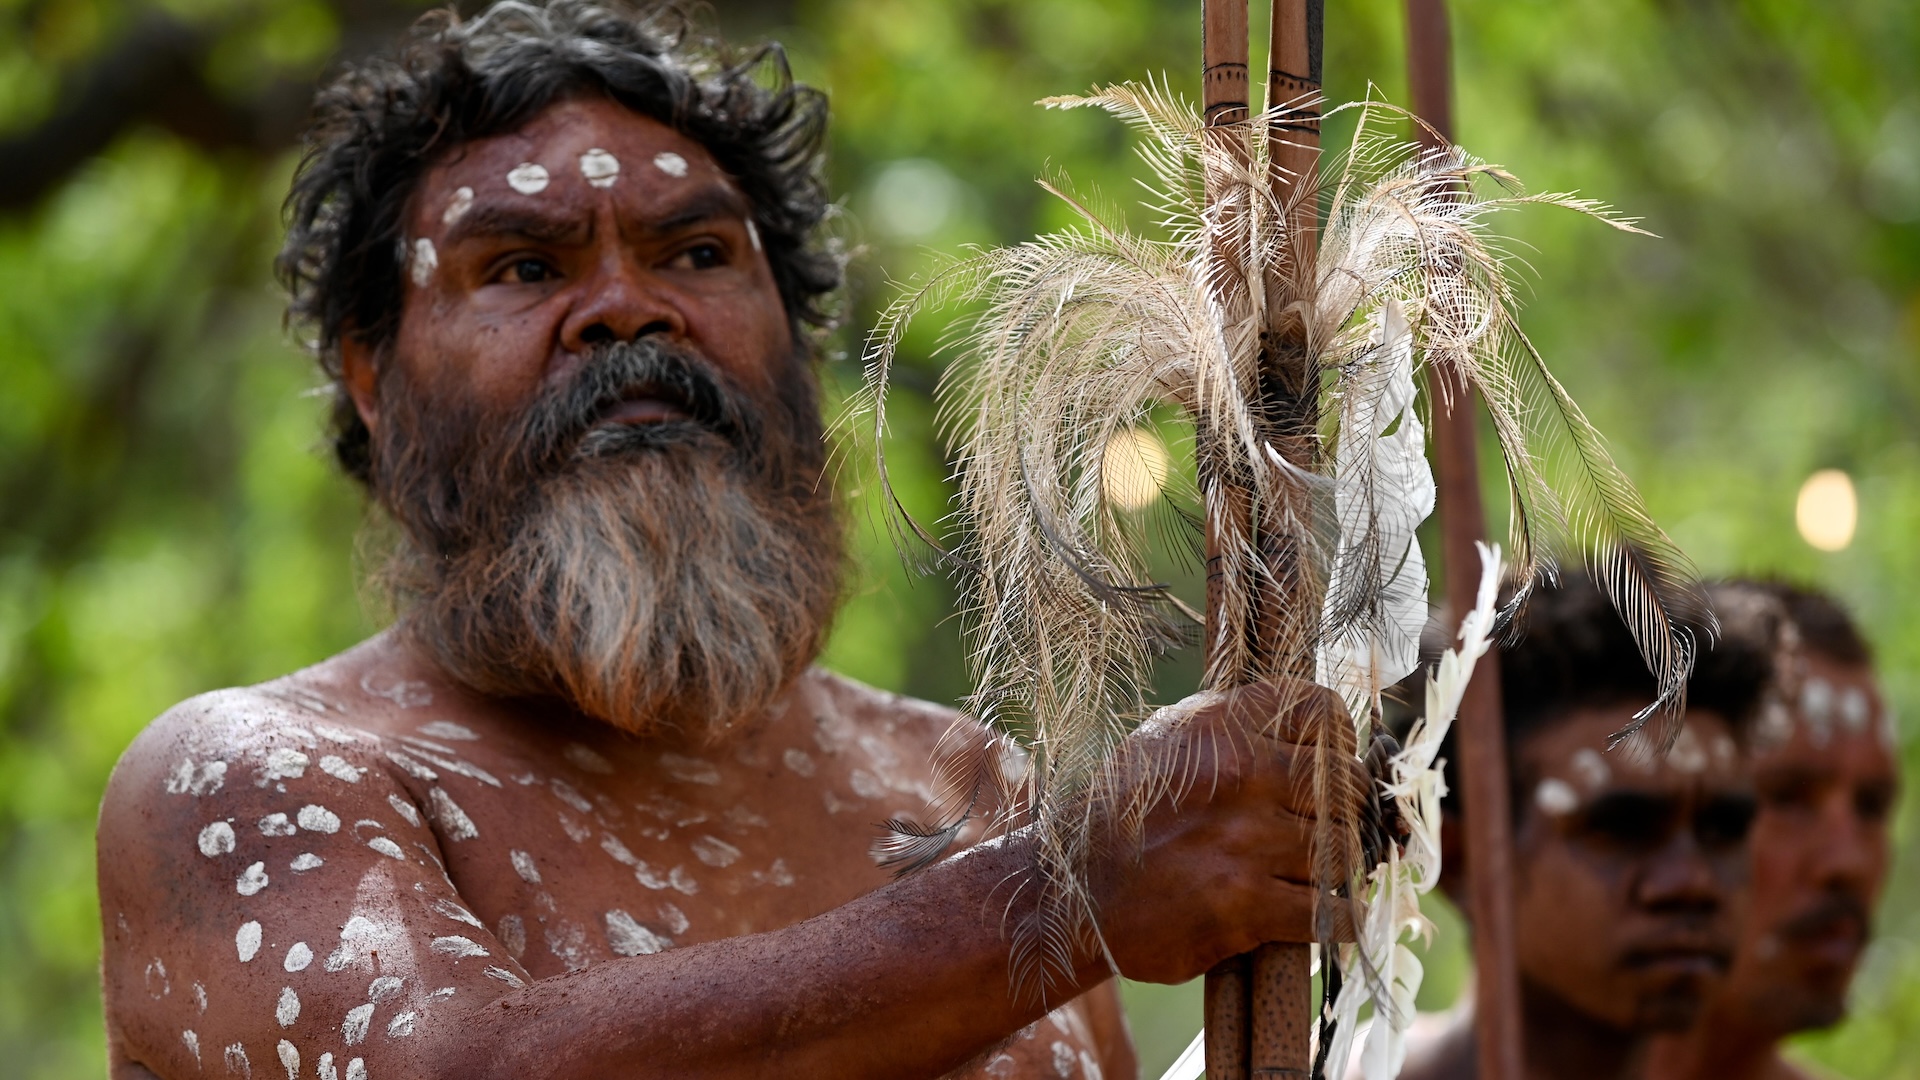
[(379, 125), (1574, 651)]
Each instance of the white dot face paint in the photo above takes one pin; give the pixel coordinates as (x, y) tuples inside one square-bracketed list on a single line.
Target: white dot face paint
[(354, 1029), (528, 178), (753, 234), (247, 941), (289, 1059), (690, 770), (670, 163), (384, 987), (424, 262), (326, 1069), (457, 206), (305, 861), (1556, 797), (298, 957), (200, 996), (276, 825), (236, 1057), (400, 1026), (337, 767), (193, 1044), (387, 847), (523, 865), (356, 1070), (600, 168), (251, 880), (1853, 709), (1590, 769), (798, 761), (216, 839), (629, 938), (512, 933), (404, 809), (318, 819), (1688, 754), (288, 1010)]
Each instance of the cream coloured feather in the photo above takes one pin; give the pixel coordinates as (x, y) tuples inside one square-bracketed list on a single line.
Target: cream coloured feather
[(1297, 381)]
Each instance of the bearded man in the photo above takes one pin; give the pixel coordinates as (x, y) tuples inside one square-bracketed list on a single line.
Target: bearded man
[(587, 809), (1827, 777)]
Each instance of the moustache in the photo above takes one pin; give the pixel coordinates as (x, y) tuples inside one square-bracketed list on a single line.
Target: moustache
[(572, 422), (1837, 912)]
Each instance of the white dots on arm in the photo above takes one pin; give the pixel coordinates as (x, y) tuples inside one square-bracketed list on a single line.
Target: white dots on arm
[(523, 865), (288, 1010), (251, 880), (453, 821), (299, 955), (318, 819), (528, 178), (246, 941), (337, 767), (216, 839), (277, 825)]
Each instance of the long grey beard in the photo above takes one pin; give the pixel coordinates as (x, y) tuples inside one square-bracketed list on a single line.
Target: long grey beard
[(655, 590)]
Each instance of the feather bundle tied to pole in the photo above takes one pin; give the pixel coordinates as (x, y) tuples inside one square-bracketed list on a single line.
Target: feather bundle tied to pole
[(1086, 334)]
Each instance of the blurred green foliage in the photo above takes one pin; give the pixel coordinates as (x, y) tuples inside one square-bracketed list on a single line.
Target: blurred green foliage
[(169, 524)]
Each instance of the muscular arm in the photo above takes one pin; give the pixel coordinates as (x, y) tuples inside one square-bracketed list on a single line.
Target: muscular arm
[(271, 920)]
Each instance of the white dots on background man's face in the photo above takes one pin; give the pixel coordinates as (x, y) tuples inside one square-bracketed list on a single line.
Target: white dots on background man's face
[(425, 261), (457, 206), (1556, 797), (670, 163), (528, 178)]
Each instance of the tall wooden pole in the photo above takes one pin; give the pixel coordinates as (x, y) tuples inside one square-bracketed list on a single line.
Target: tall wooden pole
[(1482, 735)]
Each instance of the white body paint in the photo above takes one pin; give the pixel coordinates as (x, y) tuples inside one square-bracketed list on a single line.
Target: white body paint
[(447, 729), (628, 938), (305, 861), (670, 163), (600, 168), (299, 955), (715, 852), (236, 1056), (288, 1010), (524, 866), (586, 757), (193, 1044), (400, 1026), (528, 178), (216, 839), (251, 880), (246, 942), (457, 947), (1556, 797), (354, 1029), (276, 825), (336, 766), (753, 234), (453, 821), (425, 261), (196, 780), (387, 847), (318, 819), (289, 1059), (285, 763), (404, 809)]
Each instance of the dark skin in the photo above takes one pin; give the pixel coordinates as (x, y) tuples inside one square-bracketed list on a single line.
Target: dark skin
[(1820, 851), (1628, 871), (454, 885)]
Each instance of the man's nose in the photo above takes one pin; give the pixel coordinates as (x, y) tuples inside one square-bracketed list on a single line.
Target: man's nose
[(619, 301), (1680, 877)]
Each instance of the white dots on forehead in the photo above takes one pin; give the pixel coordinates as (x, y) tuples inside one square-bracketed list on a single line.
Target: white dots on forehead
[(1555, 796), (1590, 768), (670, 163), (600, 168), (216, 839), (1854, 711), (424, 262), (1688, 754), (528, 178), (753, 234), (246, 941), (457, 206)]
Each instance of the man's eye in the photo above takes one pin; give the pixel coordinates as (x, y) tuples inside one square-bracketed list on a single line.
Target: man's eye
[(1723, 822), (528, 272), (1631, 821), (1789, 793), (1873, 803), (702, 257)]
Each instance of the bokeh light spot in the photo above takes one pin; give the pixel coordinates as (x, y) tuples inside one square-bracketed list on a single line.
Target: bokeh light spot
[(1135, 468), (1827, 510)]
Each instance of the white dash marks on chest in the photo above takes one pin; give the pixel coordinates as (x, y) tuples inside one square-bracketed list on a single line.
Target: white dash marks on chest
[(453, 821), (690, 770), (715, 852), (216, 839), (524, 866), (288, 1009), (627, 937)]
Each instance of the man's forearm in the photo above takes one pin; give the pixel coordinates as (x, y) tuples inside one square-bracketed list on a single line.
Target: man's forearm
[(910, 980)]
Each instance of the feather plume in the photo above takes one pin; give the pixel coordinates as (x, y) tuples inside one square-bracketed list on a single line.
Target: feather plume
[(1296, 379)]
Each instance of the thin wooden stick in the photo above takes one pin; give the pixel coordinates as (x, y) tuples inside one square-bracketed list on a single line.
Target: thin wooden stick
[(1482, 735), (1282, 991)]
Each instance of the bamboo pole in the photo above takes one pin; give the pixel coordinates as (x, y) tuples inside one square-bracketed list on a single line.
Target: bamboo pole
[(1482, 735)]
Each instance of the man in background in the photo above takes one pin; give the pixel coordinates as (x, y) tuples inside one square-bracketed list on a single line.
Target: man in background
[(1629, 862), (1827, 777)]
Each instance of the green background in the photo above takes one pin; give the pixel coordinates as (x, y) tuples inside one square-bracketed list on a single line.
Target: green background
[(168, 523)]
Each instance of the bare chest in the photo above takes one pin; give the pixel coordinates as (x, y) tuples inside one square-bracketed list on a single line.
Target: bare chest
[(576, 850)]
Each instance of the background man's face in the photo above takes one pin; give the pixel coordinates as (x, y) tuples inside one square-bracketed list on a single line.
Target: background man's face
[(590, 224), (1627, 867), (1826, 787)]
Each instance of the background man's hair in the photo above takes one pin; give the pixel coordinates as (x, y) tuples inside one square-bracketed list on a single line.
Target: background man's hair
[(1574, 652), (378, 126), (1824, 626)]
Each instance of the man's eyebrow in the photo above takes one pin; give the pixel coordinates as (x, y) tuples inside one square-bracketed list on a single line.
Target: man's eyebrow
[(710, 203), (500, 219)]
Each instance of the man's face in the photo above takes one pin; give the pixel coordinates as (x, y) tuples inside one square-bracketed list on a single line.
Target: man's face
[(1627, 866), (597, 430), (591, 224), (1827, 780)]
